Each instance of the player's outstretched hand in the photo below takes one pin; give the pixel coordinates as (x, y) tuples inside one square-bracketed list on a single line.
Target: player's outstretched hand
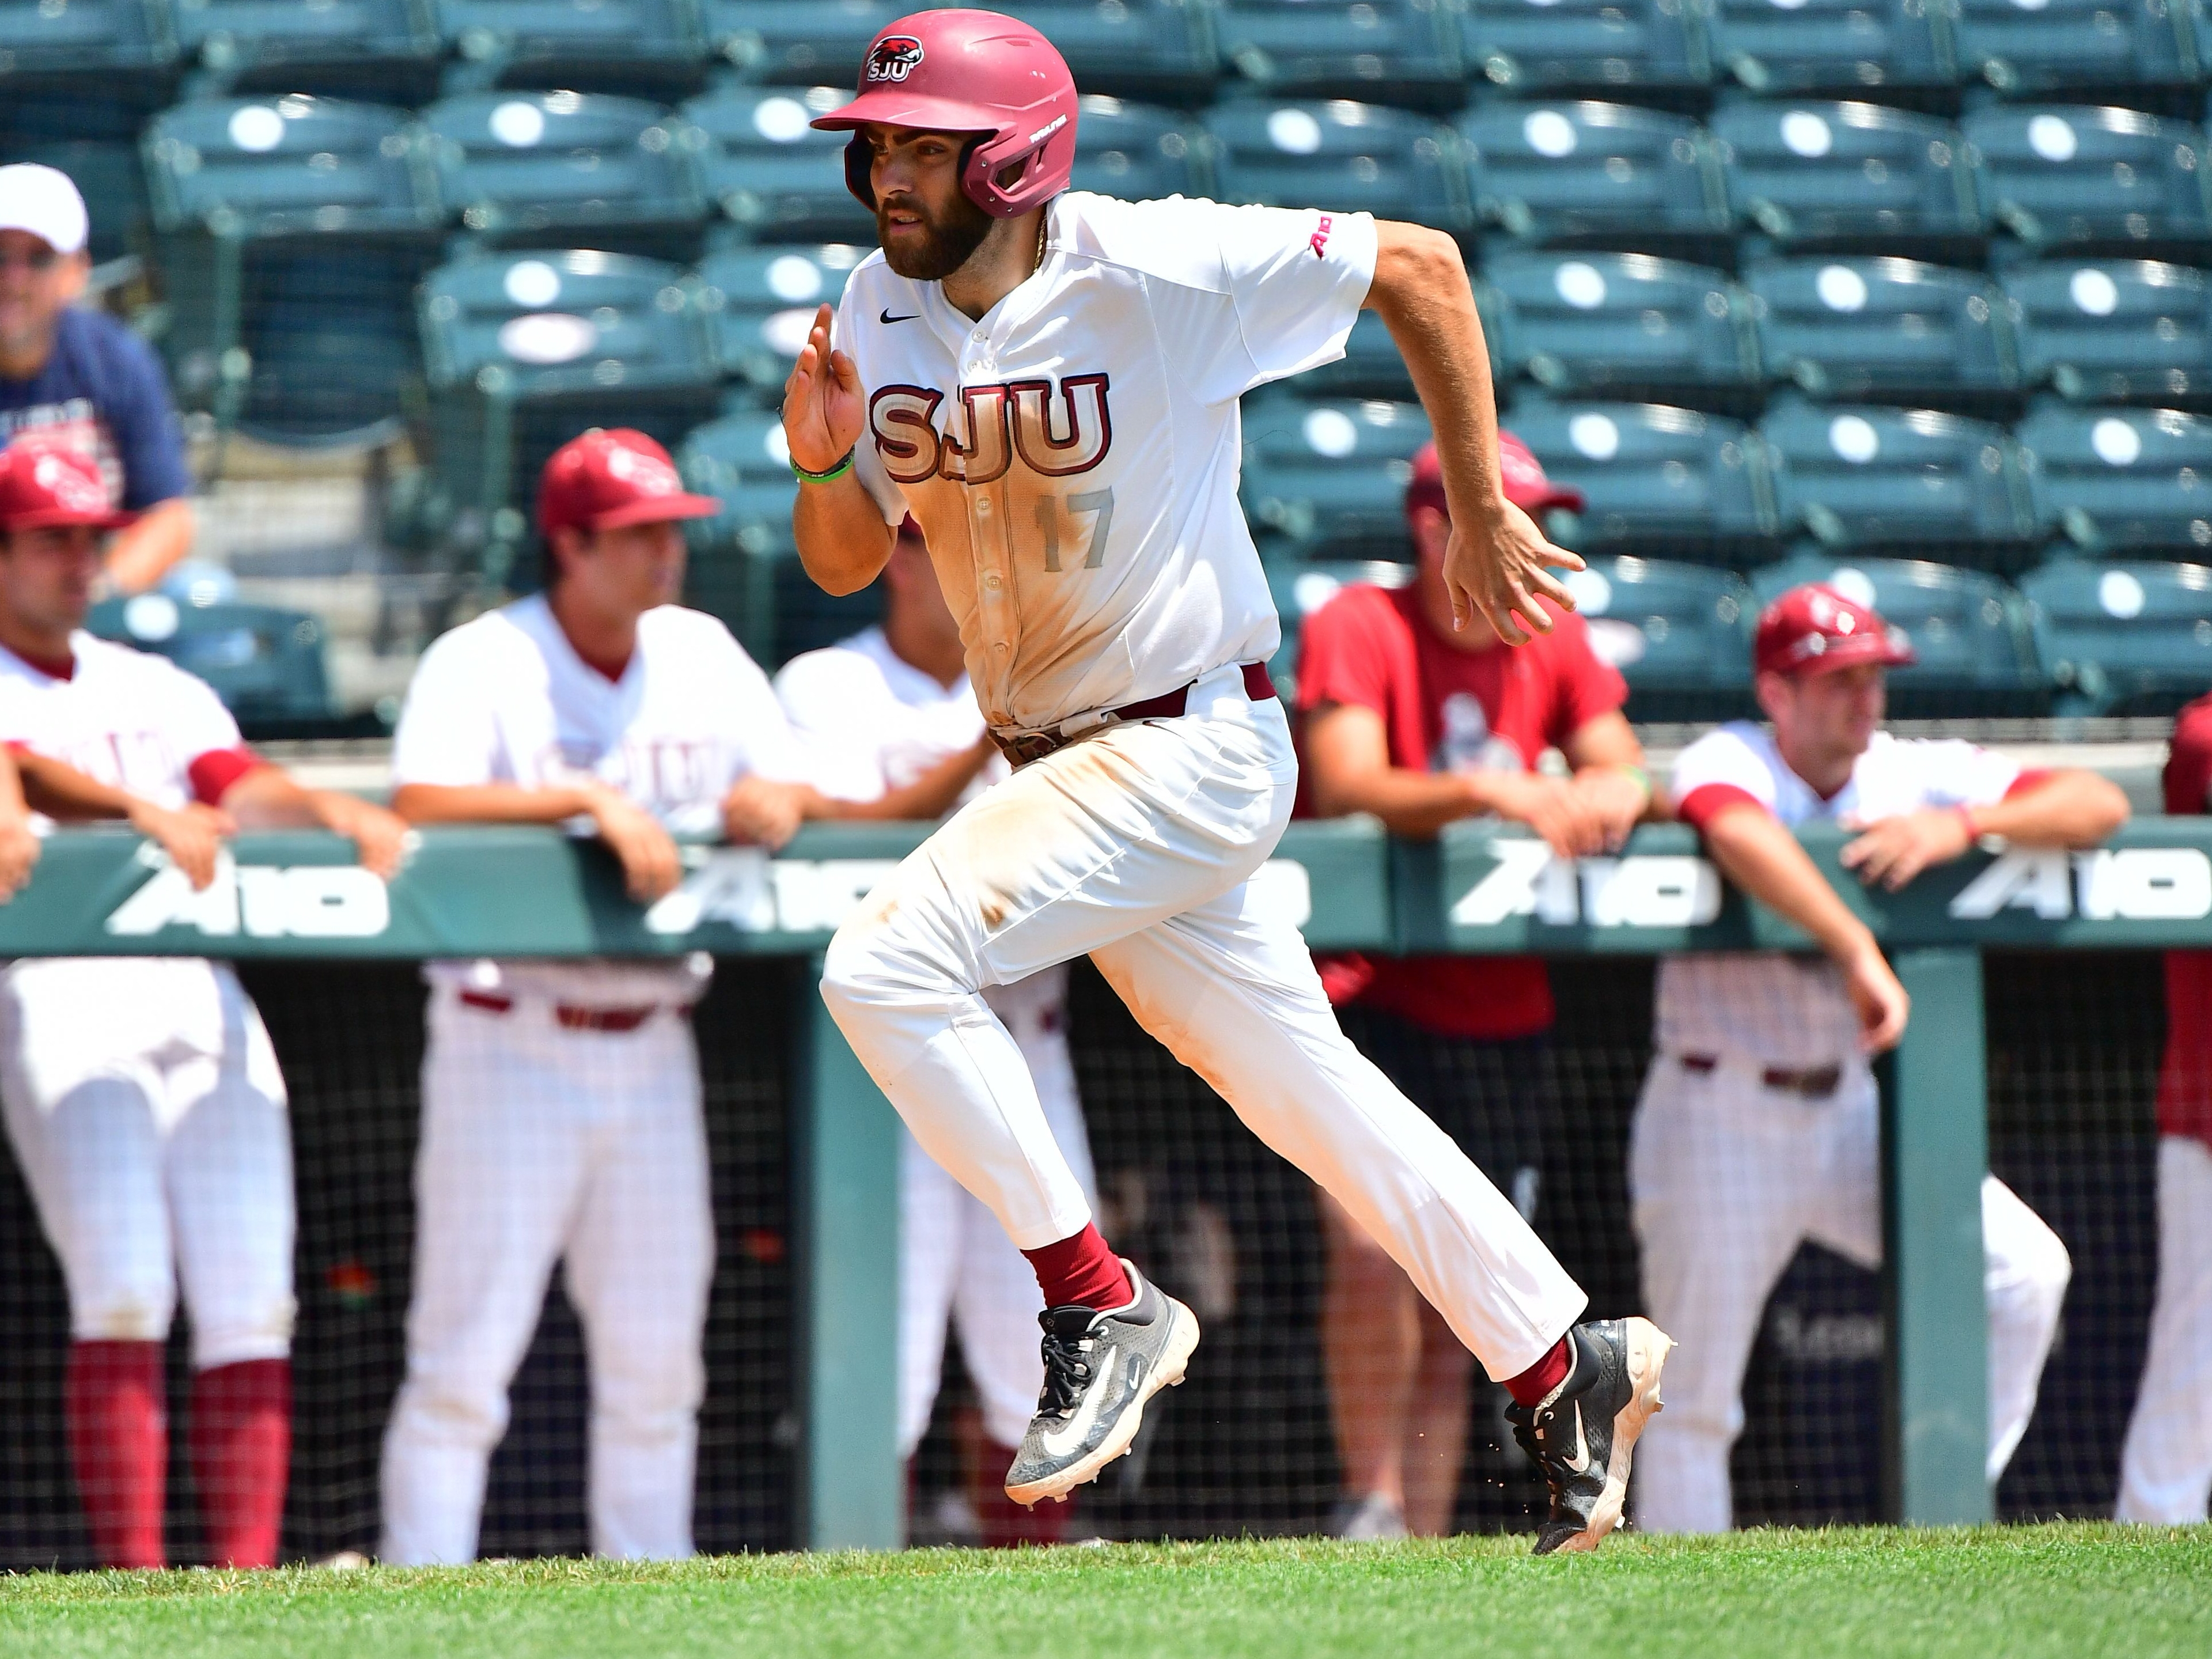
[(1501, 576), (652, 868), (823, 409), (1881, 1001), (1893, 851), (19, 852), (763, 812), (192, 837)]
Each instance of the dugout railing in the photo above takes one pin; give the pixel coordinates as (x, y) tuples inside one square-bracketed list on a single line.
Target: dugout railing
[(1478, 889)]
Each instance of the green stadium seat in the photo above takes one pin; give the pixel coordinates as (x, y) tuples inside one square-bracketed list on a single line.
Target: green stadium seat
[(2122, 638), (1679, 635), (603, 45), (1161, 49), (2122, 480), (238, 43), (778, 43), (1809, 172), (265, 664), (1329, 477), (290, 166), (1892, 329), (2114, 330), (1560, 45), (1652, 478), (526, 164), (2054, 174), (1352, 157), (1619, 324), (1300, 587), (759, 302), (775, 178), (89, 38), (1371, 366), (2059, 44), (1971, 633), (1551, 171), (1140, 153), (1860, 476), (1836, 46), (742, 461), (1404, 51)]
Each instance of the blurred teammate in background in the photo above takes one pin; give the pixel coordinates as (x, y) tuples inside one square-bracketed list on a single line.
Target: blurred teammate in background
[(561, 1119), (1422, 726), (141, 1095), (1759, 1126), (882, 708), (80, 376), (2165, 1466)]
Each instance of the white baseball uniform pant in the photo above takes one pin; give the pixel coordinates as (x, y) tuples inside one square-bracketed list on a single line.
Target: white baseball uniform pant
[(544, 1143), (145, 1105), (1137, 846), (956, 1262), (2165, 1466), (1728, 1177)]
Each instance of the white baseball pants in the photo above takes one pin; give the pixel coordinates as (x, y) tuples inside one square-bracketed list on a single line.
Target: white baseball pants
[(541, 1144), (146, 1107), (1137, 847), (956, 1262), (1727, 1178), (2165, 1466)]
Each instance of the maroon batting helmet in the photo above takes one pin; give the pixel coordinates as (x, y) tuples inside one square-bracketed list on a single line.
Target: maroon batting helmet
[(977, 72)]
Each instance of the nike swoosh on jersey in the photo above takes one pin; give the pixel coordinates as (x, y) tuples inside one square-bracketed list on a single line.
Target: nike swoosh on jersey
[(885, 316), (1061, 1443)]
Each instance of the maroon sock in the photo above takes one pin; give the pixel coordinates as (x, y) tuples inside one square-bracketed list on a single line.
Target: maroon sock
[(1003, 1523), (1080, 1272), (241, 1447), (113, 1404), (1535, 1384)]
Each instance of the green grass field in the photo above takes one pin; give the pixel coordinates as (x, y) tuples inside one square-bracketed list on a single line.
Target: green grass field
[(2073, 1590)]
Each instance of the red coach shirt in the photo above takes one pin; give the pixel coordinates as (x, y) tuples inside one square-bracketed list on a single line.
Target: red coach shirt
[(2185, 1082), (1447, 710)]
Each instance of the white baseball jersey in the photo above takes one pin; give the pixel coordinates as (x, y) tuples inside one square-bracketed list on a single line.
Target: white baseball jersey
[(1084, 526), (125, 718), (1768, 1006), (506, 699), (871, 722)]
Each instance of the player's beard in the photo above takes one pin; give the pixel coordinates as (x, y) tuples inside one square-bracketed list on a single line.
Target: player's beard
[(949, 238)]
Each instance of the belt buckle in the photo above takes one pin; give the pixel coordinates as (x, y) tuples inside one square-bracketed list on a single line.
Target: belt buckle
[(1024, 747)]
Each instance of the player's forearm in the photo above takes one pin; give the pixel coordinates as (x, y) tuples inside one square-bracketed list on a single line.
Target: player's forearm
[(1422, 294), (144, 552), (930, 796), (1758, 855), (843, 542), (64, 794), (1413, 804), (2068, 809), (491, 803), (269, 798)]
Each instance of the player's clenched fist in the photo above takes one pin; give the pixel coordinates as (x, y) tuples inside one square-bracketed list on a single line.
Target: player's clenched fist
[(824, 407), (380, 837), (652, 868), (191, 835), (1501, 575), (763, 811)]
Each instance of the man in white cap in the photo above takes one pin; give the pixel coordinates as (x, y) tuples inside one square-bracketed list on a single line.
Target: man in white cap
[(77, 376)]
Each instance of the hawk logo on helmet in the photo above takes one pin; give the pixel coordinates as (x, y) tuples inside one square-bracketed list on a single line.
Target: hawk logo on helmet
[(893, 58)]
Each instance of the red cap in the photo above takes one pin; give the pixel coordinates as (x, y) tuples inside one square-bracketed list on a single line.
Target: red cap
[(1520, 472), (45, 483), (610, 478), (1813, 629)]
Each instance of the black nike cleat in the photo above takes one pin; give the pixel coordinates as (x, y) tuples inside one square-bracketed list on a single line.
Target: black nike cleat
[(1583, 1436), (1099, 1370)]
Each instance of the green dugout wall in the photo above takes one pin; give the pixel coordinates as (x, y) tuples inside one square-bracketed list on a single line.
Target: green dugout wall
[(1479, 889)]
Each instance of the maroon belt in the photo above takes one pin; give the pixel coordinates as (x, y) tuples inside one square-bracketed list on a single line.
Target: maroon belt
[(1812, 1083), (573, 1017), (1035, 746)]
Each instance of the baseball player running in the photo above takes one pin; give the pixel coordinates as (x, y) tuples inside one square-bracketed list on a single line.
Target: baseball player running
[(875, 711), (1047, 380), (141, 1095), (2166, 1465), (1760, 1124), (561, 1118)]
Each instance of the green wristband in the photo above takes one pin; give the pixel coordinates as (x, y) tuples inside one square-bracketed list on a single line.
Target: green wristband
[(836, 471)]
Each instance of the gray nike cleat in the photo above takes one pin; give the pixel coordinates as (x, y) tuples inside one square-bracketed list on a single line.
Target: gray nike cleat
[(1583, 1436), (1099, 1370)]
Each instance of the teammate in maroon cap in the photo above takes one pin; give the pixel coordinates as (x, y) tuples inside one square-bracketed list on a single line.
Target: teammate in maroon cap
[(560, 1103), (1422, 725), (1758, 1126)]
